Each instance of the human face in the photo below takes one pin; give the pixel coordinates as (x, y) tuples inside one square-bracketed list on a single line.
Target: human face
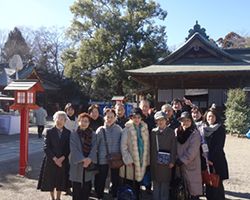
[(177, 106), (161, 123), (211, 118), (196, 115), (70, 111), (94, 114), (186, 123), (120, 111), (84, 123), (136, 119), (60, 121), (169, 112), (109, 118), (145, 108)]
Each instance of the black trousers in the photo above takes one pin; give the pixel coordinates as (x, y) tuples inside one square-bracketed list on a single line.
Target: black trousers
[(81, 191), (40, 129), (100, 180), (213, 193)]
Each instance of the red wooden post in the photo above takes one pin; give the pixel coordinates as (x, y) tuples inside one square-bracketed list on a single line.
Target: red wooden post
[(24, 141)]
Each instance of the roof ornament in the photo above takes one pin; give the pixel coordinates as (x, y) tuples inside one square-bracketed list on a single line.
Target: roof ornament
[(197, 29)]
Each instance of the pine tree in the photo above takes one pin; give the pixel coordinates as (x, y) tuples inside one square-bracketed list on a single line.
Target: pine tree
[(237, 112)]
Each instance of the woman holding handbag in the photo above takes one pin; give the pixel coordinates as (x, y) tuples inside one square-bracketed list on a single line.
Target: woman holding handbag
[(215, 136), (188, 155), (108, 144), (82, 154)]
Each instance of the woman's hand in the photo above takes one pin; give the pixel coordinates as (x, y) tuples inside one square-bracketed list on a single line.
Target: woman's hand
[(86, 162), (210, 163), (57, 161), (171, 165), (130, 164)]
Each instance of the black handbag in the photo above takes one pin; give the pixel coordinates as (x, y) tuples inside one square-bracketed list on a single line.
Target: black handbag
[(125, 191)]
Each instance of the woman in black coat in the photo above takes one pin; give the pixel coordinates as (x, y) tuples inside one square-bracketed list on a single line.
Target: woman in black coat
[(215, 136), (53, 174)]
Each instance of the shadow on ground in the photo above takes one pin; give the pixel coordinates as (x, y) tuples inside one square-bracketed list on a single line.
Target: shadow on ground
[(238, 194), (9, 169)]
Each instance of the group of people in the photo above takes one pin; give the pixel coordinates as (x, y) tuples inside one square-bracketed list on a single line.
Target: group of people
[(154, 148)]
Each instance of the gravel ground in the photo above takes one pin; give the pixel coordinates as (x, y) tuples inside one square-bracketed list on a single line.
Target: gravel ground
[(14, 187)]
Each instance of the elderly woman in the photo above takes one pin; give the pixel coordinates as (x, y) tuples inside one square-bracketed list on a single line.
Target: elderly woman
[(53, 175), (188, 155), (162, 156), (135, 150), (108, 142), (82, 152), (215, 136)]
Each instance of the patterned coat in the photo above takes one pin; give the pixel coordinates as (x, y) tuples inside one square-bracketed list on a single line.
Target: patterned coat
[(130, 154)]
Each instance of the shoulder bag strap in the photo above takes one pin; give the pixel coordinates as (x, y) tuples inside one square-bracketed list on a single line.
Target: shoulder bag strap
[(157, 142), (125, 174)]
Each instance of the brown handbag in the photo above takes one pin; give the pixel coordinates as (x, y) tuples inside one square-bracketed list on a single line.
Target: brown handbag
[(114, 159), (211, 179)]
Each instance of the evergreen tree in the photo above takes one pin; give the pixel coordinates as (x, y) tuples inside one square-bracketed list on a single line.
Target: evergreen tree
[(111, 37), (15, 44), (237, 112)]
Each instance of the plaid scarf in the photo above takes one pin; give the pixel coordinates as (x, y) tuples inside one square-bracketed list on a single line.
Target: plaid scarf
[(86, 140)]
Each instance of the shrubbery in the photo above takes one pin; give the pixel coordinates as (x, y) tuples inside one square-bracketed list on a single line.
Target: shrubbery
[(237, 112)]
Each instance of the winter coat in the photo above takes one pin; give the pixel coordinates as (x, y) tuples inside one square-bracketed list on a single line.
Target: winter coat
[(167, 143), (76, 157), (130, 154), (52, 176), (216, 153), (149, 120), (121, 121), (113, 136), (189, 155), (95, 124), (40, 115)]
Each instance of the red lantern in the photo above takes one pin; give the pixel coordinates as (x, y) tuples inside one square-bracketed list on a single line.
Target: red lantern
[(25, 93)]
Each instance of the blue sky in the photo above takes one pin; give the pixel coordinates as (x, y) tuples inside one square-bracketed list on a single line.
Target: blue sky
[(218, 17)]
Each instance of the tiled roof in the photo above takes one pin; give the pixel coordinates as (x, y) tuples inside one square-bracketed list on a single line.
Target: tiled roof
[(173, 69)]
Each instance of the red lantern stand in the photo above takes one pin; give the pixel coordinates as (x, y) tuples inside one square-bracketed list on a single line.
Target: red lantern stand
[(25, 99)]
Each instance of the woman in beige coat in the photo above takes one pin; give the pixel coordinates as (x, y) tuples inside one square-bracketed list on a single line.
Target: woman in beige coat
[(188, 155), (135, 150)]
